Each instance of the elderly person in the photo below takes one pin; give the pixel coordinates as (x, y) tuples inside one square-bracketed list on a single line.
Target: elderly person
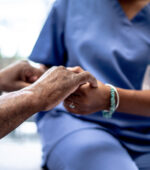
[(110, 39), (48, 91)]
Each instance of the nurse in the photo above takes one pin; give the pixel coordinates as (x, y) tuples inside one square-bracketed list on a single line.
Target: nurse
[(110, 39)]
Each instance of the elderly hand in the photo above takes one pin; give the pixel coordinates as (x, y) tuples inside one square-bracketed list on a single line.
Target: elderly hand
[(56, 85), (86, 99), (19, 75)]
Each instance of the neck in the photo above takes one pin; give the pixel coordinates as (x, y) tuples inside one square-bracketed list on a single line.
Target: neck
[(132, 7)]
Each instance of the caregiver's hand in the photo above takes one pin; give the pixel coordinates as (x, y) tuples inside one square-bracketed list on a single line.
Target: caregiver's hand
[(57, 84), (19, 75), (86, 99)]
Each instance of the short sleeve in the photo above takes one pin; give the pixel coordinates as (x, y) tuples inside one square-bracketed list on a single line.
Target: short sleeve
[(50, 47)]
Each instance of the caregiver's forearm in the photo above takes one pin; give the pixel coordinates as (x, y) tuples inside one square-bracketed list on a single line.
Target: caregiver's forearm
[(87, 100), (135, 102), (15, 108)]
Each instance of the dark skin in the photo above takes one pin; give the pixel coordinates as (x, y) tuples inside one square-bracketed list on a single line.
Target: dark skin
[(88, 100), (19, 75), (132, 7), (50, 89)]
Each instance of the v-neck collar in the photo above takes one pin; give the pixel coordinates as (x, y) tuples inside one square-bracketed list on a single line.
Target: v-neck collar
[(123, 14)]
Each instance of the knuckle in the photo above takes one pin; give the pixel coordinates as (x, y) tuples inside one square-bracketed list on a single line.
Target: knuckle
[(85, 75), (54, 67), (61, 67), (78, 68), (90, 76)]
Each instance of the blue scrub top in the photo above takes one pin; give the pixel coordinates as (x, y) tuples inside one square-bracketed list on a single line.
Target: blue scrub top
[(98, 36)]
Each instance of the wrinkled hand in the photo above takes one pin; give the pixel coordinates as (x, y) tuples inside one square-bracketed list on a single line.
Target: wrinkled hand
[(19, 75), (86, 99), (57, 84)]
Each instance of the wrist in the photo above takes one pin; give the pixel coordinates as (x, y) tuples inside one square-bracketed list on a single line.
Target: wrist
[(38, 97), (35, 102), (114, 102), (104, 96)]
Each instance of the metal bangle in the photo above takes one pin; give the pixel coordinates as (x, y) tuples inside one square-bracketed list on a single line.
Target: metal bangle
[(113, 105)]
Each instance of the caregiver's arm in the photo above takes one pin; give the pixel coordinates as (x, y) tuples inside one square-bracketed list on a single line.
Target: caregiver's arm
[(48, 91), (88, 100), (134, 101)]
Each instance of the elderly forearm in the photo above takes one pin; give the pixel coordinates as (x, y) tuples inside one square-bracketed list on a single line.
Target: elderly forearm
[(47, 92), (14, 109)]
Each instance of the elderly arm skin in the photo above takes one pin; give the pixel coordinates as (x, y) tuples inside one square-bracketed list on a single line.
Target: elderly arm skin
[(49, 90), (15, 108)]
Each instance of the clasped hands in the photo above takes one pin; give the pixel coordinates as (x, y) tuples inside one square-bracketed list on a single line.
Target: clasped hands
[(86, 99), (80, 91)]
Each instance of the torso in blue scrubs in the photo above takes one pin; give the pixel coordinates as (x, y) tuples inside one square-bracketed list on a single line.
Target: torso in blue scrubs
[(97, 35)]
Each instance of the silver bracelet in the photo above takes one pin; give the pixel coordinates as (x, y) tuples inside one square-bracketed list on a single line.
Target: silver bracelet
[(113, 104)]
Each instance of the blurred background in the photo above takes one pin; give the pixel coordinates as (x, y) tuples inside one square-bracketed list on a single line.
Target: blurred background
[(20, 25)]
